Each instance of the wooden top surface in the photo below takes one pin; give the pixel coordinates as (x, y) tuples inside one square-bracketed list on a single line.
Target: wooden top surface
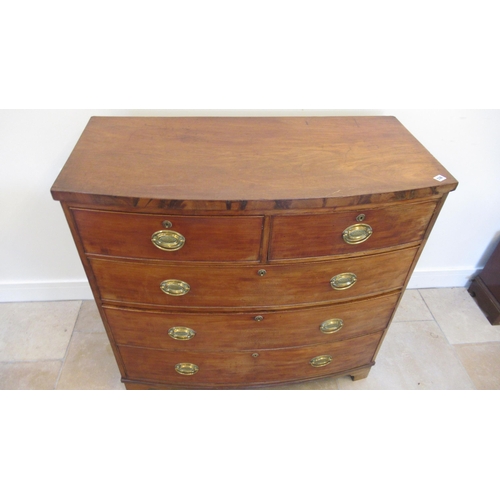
[(247, 159)]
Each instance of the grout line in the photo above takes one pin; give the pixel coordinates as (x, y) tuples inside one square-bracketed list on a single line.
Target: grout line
[(43, 360), (447, 340), (67, 347), (416, 321), (433, 317), (477, 343)]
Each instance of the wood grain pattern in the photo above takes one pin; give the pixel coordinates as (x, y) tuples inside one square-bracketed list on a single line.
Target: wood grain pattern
[(239, 207), (218, 162), (238, 331), (207, 238), (317, 235), (241, 368), (234, 286), (248, 194)]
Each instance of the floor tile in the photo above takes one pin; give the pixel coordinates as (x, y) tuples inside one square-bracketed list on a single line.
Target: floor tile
[(32, 331), (412, 308), (41, 375), (414, 355), (482, 362), (459, 316), (90, 364), (325, 384), (89, 320)]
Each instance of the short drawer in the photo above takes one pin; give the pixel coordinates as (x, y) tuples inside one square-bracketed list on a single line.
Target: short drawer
[(250, 286), (171, 238), (226, 369), (253, 330), (300, 236)]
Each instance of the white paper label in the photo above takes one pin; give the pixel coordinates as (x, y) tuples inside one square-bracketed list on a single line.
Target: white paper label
[(440, 178)]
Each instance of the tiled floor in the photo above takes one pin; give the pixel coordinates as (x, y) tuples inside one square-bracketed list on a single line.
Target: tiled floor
[(439, 339)]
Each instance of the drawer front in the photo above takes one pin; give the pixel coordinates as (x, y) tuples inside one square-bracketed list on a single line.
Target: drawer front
[(300, 236), (256, 330), (186, 238), (242, 286), (247, 367)]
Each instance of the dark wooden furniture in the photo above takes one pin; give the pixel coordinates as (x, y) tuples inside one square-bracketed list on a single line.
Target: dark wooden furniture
[(485, 288), (243, 252)]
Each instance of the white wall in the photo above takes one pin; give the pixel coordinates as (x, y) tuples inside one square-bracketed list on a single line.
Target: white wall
[(38, 260)]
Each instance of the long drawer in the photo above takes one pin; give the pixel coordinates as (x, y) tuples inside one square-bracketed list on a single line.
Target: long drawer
[(176, 238), (247, 367), (256, 330), (250, 286), (301, 236)]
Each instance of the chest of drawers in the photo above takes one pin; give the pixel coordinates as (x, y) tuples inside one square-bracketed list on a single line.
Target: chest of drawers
[(244, 252)]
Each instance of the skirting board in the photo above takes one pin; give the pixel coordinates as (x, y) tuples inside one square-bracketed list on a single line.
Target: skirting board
[(80, 290), (445, 278), (45, 292)]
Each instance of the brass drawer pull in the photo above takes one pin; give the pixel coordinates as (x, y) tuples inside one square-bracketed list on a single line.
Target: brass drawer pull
[(331, 325), (170, 241), (174, 287), (357, 233), (186, 368), (181, 333), (320, 361), (343, 281)]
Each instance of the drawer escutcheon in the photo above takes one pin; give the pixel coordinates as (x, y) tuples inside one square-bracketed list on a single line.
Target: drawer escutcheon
[(186, 368), (175, 288), (320, 361), (181, 333), (331, 325), (356, 234), (343, 281), (167, 240)]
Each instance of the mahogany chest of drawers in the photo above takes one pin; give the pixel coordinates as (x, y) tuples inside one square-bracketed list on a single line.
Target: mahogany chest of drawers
[(245, 252)]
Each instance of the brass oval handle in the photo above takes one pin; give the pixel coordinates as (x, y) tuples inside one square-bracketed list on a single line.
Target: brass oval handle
[(331, 325), (186, 368), (322, 360), (181, 333), (358, 233), (343, 281), (174, 288), (167, 240)]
